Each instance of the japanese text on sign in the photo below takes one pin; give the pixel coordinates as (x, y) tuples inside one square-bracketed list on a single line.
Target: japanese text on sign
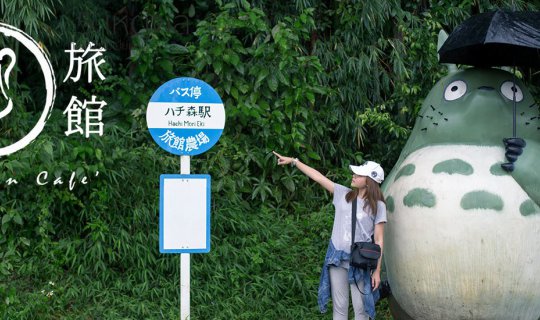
[(184, 144), (203, 112), (192, 92)]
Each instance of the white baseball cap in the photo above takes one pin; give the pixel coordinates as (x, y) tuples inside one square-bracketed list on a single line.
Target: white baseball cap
[(370, 169)]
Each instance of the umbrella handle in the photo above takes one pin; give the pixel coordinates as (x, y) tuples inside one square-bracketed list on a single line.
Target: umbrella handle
[(514, 109)]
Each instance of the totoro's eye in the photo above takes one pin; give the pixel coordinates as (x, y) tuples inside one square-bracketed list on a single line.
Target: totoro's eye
[(455, 90), (508, 88)]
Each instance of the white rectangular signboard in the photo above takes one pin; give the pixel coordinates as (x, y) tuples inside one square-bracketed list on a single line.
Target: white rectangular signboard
[(184, 213)]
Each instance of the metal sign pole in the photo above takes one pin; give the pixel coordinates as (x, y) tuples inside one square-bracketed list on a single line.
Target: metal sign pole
[(185, 260)]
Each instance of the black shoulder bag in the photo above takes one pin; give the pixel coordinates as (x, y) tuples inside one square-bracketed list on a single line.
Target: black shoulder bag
[(364, 255)]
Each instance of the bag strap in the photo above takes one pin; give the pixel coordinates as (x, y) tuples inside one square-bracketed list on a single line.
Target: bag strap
[(353, 220), (353, 229)]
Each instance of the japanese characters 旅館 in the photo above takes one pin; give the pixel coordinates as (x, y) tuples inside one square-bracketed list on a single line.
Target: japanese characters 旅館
[(338, 278)]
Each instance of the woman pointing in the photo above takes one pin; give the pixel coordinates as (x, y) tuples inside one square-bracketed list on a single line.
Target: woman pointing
[(338, 278)]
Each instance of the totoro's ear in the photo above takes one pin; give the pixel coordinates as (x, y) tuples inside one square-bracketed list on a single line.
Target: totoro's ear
[(452, 68)]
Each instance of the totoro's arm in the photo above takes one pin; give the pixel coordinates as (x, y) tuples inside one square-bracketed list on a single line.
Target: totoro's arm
[(525, 171)]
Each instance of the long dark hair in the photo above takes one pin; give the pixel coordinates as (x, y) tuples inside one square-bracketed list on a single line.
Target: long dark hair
[(373, 194)]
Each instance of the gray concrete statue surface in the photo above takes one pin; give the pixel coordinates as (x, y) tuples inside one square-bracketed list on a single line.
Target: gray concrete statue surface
[(463, 235)]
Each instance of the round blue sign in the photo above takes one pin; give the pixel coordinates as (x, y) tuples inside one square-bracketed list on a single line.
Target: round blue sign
[(185, 116)]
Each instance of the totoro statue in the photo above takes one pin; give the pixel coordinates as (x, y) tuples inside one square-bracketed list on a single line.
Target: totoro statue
[(463, 234)]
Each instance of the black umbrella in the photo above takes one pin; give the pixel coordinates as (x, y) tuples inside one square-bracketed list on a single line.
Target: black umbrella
[(497, 38)]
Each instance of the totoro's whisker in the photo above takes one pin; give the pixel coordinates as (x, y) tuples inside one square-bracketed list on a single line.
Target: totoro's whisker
[(533, 118), (532, 105)]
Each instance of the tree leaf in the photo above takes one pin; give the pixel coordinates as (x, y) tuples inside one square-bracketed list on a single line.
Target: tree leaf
[(191, 11), (6, 218), (17, 219), (313, 155), (25, 241), (176, 49)]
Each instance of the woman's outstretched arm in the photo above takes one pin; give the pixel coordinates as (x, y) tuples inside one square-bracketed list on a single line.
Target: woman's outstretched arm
[(307, 170)]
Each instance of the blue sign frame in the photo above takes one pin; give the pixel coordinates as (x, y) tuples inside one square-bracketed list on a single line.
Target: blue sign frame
[(163, 177)]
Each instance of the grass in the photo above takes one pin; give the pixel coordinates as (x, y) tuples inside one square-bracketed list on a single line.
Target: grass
[(264, 264)]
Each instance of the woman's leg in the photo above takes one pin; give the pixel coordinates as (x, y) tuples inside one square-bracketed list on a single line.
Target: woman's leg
[(339, 287), (358, 302)]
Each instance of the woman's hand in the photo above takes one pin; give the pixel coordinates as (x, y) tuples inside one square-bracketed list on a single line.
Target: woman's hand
[(282, 160), (307, 170), (375, 279)]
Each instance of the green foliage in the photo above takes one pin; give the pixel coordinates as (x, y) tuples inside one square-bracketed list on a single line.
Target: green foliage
[(387, 134), (155, 58), (32, 16), (264, 76), (363, 58)]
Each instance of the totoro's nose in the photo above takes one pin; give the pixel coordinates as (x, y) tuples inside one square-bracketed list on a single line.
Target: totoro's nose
[(486, 88)]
